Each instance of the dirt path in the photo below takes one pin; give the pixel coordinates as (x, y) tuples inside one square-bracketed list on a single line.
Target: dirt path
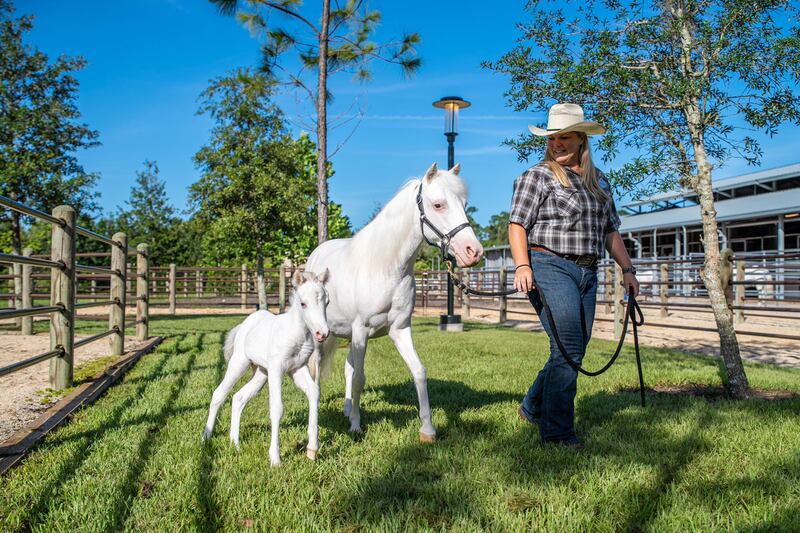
[(782, 352), (21, 402)]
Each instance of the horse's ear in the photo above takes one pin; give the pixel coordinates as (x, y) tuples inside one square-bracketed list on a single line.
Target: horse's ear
[(323, 278), (297, 279), (456, 169), (431, 172)]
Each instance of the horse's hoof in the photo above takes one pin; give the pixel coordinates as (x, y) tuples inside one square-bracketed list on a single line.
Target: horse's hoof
[(311, 454), (427, 439)]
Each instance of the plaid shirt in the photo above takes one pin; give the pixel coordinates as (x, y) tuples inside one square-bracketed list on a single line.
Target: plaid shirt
[(568, 221)]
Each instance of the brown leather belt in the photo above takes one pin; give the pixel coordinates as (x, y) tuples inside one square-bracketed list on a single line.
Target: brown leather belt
[(584, 260)]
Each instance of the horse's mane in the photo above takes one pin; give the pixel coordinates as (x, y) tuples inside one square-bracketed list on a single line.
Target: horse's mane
[(399, 214)]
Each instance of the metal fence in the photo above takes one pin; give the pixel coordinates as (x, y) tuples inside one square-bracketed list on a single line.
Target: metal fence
[(63, 301)]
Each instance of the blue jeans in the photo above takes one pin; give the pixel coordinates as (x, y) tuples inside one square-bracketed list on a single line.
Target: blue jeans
[(570, 291)]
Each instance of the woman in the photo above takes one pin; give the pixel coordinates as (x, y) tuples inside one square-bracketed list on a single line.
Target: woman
[(562, 215)]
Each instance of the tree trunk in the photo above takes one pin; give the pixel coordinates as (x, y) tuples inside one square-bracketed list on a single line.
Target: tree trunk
[(701, 183), (322, 127), (738, 386), (260, 279)]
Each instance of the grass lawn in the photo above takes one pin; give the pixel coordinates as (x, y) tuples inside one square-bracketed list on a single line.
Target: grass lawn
[(134, 459)]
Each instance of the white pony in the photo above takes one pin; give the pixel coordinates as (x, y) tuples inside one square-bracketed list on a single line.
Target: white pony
[(276, 345), (762, 280), (372, 279)]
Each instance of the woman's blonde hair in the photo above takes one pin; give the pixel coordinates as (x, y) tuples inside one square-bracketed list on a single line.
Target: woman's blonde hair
[(588, 171)]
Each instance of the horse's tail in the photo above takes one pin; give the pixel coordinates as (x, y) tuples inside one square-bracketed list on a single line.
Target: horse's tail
[(227, 350), (322, 359)]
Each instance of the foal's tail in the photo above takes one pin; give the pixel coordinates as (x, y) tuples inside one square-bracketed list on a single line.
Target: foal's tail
[(227, 350)]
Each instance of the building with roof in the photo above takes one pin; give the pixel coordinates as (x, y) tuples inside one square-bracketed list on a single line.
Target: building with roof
[(758, 213)]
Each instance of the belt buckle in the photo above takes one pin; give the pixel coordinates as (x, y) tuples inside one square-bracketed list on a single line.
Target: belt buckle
[(586, 260)]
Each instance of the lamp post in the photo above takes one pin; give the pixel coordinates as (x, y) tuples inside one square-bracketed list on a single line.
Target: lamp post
[(451, 105)]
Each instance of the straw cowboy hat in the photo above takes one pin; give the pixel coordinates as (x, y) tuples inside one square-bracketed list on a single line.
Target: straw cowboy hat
[(563, 118)]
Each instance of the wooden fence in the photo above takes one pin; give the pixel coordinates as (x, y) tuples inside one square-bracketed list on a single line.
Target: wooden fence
[(763, 286), (61, 295), (759, 285)]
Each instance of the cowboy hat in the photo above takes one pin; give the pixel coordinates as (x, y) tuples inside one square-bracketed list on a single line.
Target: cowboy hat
[(563, 118)]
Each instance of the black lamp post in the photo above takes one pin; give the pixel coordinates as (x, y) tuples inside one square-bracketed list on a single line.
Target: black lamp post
[(451, 105)]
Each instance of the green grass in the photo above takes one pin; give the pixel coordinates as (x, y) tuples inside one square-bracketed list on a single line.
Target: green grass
[(134, 460)]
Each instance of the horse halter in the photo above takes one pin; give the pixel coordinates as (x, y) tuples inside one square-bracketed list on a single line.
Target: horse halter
[(444, 238)]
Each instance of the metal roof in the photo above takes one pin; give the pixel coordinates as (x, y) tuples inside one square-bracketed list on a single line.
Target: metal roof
[(772, 174), (747, 207)]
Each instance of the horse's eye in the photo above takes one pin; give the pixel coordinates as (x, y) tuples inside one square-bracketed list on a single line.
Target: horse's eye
[(438, 205), (303, 305)]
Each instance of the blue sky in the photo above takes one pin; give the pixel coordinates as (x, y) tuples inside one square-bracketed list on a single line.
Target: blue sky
[(148, 60)]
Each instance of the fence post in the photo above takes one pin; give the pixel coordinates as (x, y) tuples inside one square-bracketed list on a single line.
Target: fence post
[(62, 292), (738, 316), (142, 299), (609, 288), (619, 294), (503, 299), (424, 294), (116, 318), (243, 287), (664, 276), (173, 291), (16, 269), (282, 287), (27, 289), (465, 303)]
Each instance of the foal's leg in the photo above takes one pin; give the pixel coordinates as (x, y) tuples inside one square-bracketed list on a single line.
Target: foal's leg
[(237, 366), (402, 340), (274, 377), (355, 360), (302, 378), (240, 400)]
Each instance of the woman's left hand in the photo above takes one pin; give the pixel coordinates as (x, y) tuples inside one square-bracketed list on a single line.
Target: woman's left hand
[(629, 281)]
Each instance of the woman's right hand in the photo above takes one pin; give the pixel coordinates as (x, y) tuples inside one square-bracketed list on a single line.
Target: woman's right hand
[(523, 279)]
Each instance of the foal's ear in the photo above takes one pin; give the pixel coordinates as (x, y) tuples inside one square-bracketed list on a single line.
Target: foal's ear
[(431, 172), (297, 279), (323, 278), (456, 169)]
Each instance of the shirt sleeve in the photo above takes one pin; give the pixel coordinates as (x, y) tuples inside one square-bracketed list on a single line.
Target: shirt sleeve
[(613, 221), (526, 199)]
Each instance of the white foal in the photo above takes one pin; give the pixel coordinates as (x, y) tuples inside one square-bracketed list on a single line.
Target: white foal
[(276, 345)]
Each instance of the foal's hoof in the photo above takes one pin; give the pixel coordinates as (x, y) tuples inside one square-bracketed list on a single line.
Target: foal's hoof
[(427, 439), (311, 454)]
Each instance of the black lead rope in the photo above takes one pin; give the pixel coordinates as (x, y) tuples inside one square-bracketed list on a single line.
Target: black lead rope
[(632, 312), (632, 309)]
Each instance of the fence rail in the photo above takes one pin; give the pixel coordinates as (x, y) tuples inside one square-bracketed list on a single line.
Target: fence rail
[(760, 286), (773, 291), (63, 281)]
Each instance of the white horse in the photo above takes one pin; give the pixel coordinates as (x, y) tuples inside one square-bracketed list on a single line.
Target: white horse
[(276, 345), (372, 278), (762, 281)]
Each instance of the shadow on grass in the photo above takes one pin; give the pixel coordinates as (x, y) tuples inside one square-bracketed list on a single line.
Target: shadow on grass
[(210, 515), (133, 479), (80, 454), (621, 436)]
